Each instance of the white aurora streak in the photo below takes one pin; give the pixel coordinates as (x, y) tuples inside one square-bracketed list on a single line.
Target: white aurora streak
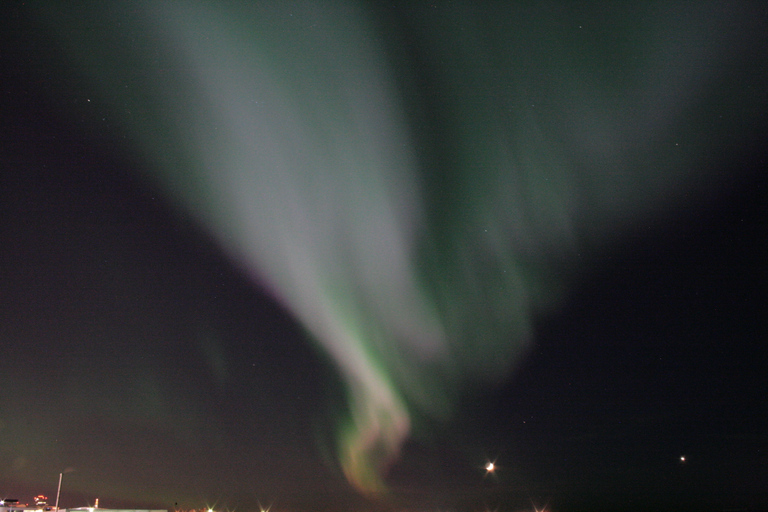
[(284, 129)]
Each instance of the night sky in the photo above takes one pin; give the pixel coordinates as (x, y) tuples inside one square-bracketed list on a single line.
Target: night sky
[(341, 257)]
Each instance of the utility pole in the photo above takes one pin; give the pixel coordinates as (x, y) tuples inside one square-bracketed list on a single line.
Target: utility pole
[(58, 492)]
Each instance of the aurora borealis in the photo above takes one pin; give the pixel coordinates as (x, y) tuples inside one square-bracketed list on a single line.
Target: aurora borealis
[(317, 238)]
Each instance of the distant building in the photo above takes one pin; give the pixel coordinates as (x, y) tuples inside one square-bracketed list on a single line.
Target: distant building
[(95, 509), (11, 505)]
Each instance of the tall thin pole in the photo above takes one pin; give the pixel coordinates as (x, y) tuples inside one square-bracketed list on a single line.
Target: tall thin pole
[(58, 492)]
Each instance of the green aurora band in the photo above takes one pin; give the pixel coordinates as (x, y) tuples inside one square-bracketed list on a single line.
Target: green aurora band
[(415, 185)]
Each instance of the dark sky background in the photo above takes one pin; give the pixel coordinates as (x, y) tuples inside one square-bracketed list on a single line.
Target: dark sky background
[(141, 362)]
